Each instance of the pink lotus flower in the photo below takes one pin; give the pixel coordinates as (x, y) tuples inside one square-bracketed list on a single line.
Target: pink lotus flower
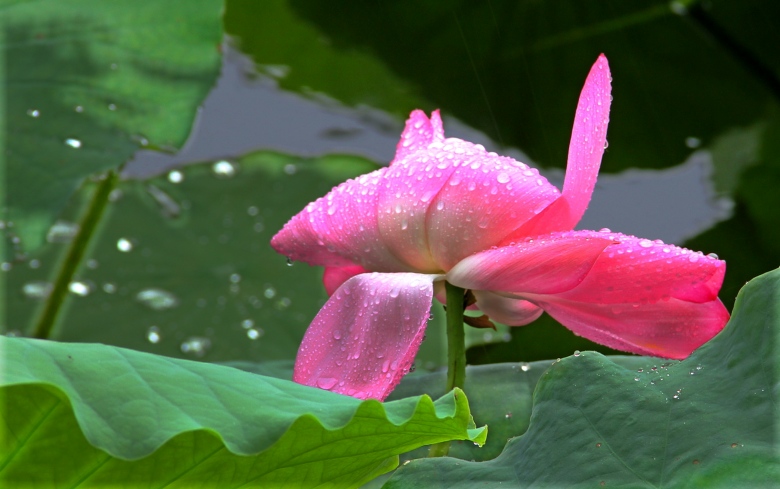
[(447, 209)]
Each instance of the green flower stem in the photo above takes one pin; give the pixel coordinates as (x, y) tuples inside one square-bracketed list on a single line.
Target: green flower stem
[(74, 256), (456, 352)]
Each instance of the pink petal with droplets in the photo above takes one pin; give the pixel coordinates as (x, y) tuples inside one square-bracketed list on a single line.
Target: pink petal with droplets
[(671, 329), (364, 339), (333, 277), (547, 264), (454, 198), (586, 148), (639, 270), (486, 198), (507, 310), (419, 133), (340, 229)]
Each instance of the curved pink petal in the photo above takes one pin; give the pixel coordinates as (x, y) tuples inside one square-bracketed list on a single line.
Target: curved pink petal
[(636, 270), (340, 229), (419, 133), (485, 198), (669, 328), (454, 198), (548, 264), (586, 148), (364, 339), (507, 310), (333, 277)]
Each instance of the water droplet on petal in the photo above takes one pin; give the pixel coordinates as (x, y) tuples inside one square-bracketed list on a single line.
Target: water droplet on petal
[(326, 383), (645, 243), (503, 177), (714, 256)]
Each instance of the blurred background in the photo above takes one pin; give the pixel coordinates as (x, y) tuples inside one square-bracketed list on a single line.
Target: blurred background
[(225, 120)]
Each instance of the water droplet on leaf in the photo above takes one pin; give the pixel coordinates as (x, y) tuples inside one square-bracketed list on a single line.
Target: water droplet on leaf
[(157, 299)]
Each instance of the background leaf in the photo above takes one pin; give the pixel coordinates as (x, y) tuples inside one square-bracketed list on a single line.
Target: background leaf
[(707, 420), (198, 277), (86, 83), (150, 420)]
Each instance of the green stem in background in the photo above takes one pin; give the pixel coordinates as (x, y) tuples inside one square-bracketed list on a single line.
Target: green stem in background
[(456, 352), (74, 256)]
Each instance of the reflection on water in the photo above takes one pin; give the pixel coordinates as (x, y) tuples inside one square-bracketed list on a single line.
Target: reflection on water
[(245, 112)]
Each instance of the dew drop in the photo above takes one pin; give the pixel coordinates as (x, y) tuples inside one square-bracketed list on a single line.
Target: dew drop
[(269, 292), (80, 288), (37, 289), (692, 142), (153, 334), (196, 346), (503, 177), (109, 288), (645, 243), (337, 334), (34, 113), (175, 176), (254, 334), (525, 367), (224, 169), (62, 232), (157, 299), (326, 383), (714, 256), (124, 245), (73, 143)]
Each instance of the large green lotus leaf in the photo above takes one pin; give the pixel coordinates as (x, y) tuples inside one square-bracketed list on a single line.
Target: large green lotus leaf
[(500, 396), (514, 69), (707, 421), (198, 277), (91, 415), (87, 82)]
